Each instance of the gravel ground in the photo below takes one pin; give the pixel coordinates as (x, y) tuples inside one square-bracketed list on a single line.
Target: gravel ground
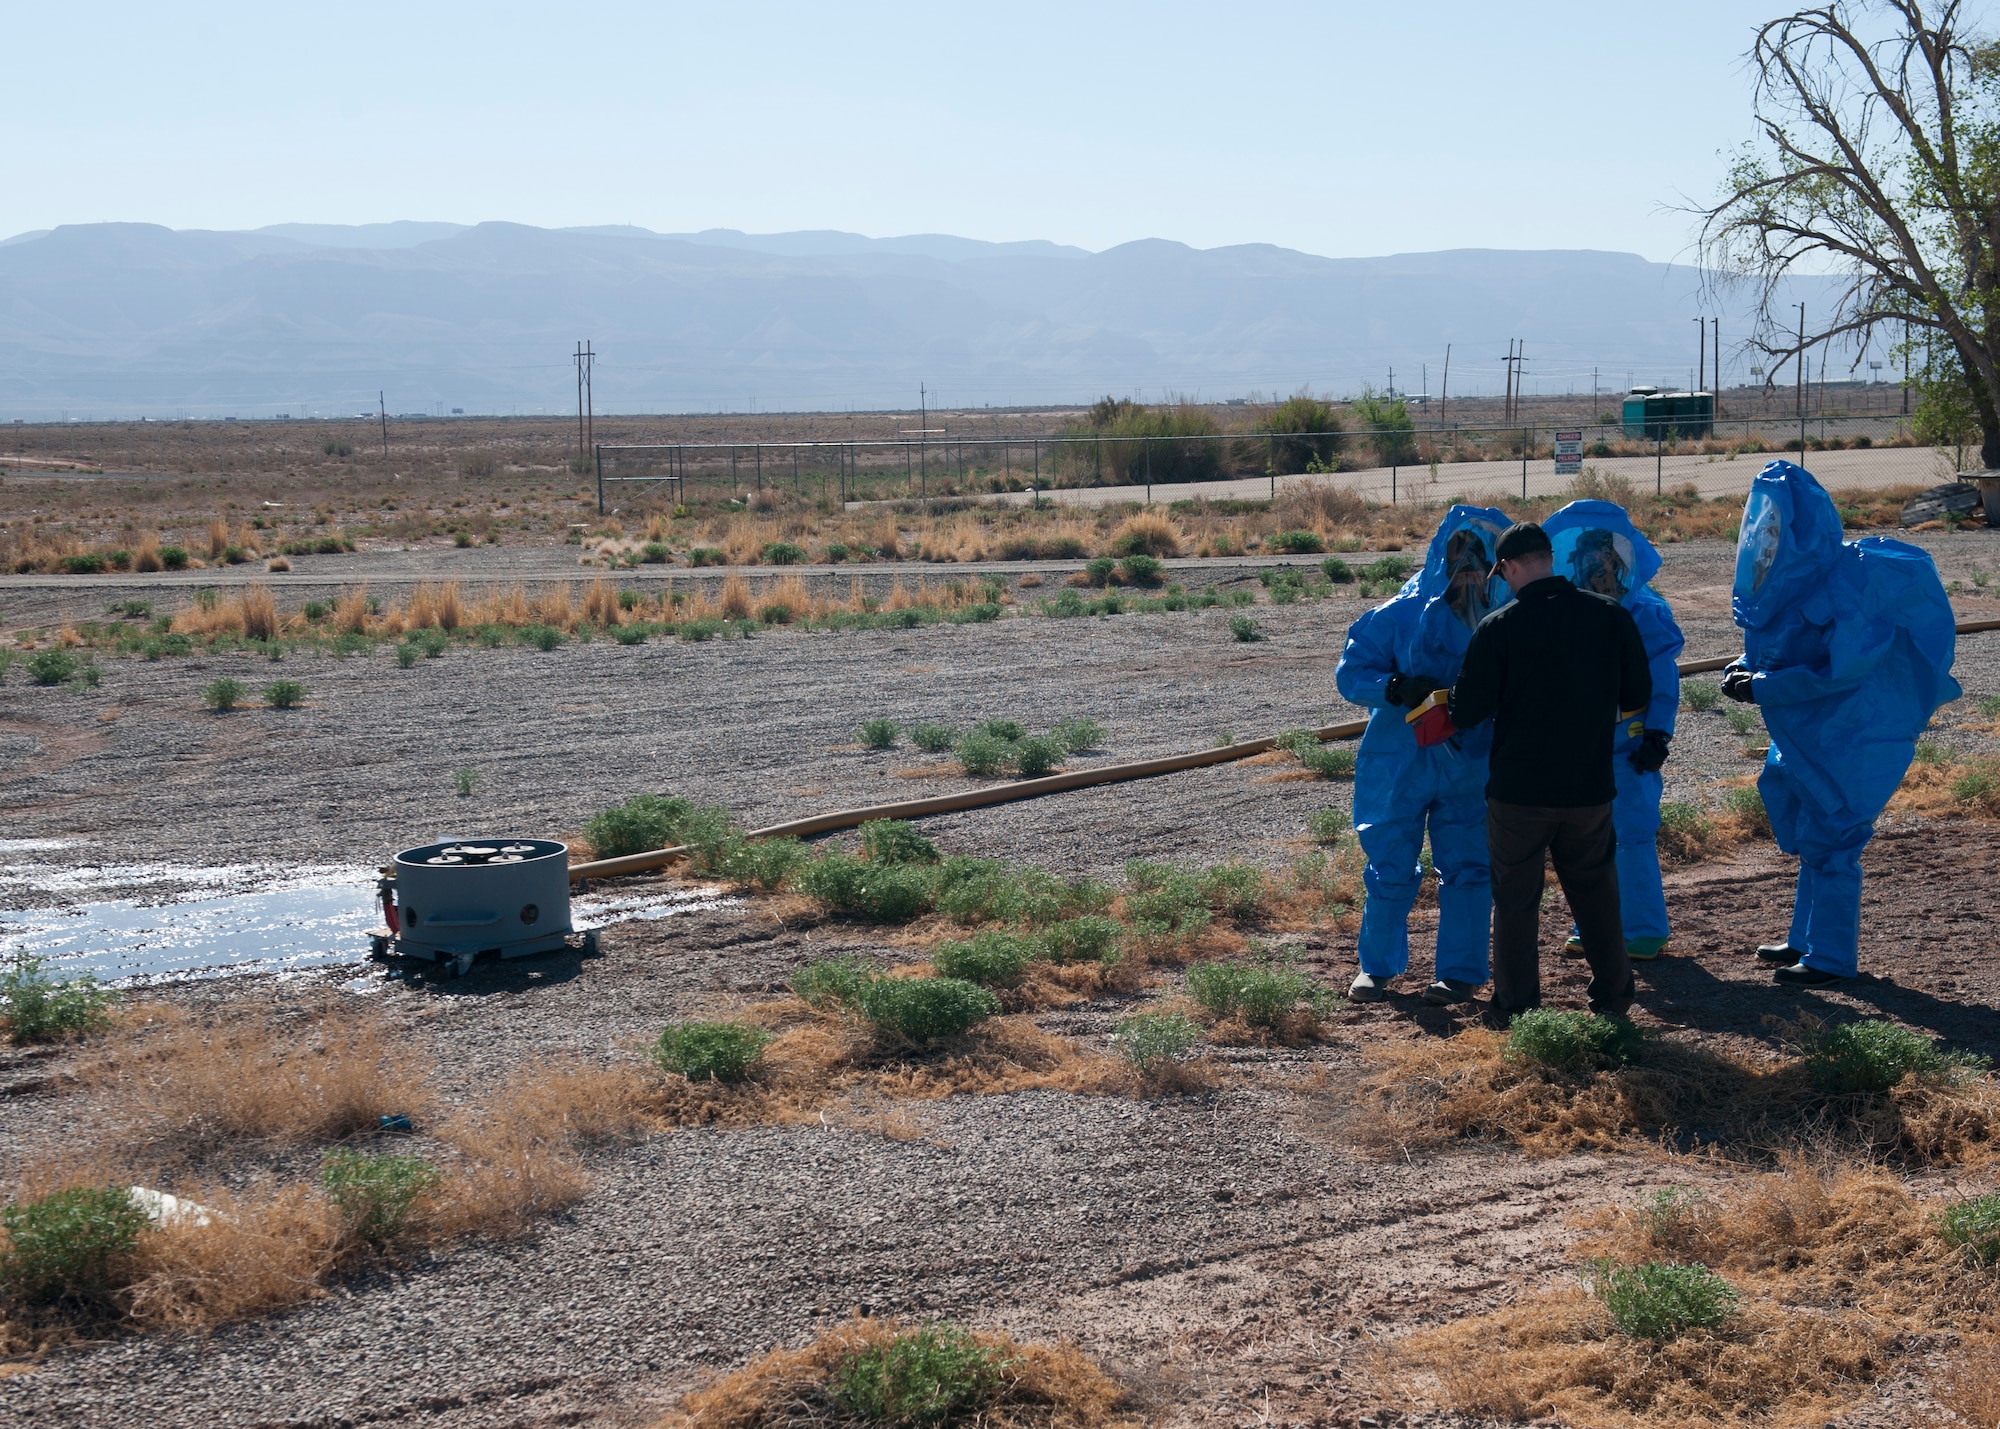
[(1229, 1254)]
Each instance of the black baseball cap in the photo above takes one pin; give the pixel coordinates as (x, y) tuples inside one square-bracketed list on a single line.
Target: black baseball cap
[(1523, 538)]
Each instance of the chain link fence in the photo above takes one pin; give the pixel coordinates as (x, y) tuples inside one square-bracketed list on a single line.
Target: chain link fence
[(1396, 464)]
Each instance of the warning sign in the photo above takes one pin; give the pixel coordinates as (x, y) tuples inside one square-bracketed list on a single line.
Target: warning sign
[(1569, 453)]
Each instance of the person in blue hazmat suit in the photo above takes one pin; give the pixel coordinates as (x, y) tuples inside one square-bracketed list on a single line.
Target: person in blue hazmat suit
[(1599, 549), (1395, 656), (1847, 650)]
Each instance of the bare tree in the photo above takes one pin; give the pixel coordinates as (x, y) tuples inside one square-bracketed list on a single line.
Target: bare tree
[(1877, 159)]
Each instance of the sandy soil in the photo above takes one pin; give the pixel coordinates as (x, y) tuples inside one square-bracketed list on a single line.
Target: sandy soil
[(1231, 1254)]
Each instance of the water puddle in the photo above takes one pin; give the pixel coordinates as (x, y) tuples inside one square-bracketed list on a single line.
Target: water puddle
[(230, 920)]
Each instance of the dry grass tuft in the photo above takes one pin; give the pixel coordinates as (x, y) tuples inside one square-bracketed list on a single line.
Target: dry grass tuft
[(1147, 531), (736, 599), (322, 1077), (1040, 1387), (600, 603), (1968, 1388), (1840, 1272), (257, 1254), (1429, 1091), (260, 613)]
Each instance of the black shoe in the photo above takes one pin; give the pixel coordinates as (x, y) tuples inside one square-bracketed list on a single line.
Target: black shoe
[(1799, 975), (1448, 990), (1779, 953)]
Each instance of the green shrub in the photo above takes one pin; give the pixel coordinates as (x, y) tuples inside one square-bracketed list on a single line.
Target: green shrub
[(921, 1008), (1748, 804), (1234, 888), (653, 553), (828, 983), (1337, 571), (1147, 1039), (374, 1194), (465, 781), (1326, 826), (982, 755), (542, 637), (1078, 735), (1244, 628), (1931, 753), (783, 553), (1090, 938), (1036, 757), (1659, 1300), (408, 654), (709, 1051), (1974, 1227), (51, 667), (432, 641), (1989, 706), (39, 1008), (634, 634), (284, 694), (1162, 899), (1262, 992), (894, 841), (174, 558), (1975, 786), (988, 958), (1873, 1055), (707, 556), (933, 738), (629, 599), (1140, 569), (1570, 1041), (1393, 569), (883, 892), (639, 825), (1741, 719), (1098, 570), (223, 694), (1295, 543), (1006, 729), (921, 1379), (69, 1248), (1066, 606), (764, 862), (698, 630), (1700, 695), (878, 733), (836, 552)]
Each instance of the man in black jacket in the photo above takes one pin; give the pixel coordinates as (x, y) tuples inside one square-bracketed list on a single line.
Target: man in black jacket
[(1553, 670)]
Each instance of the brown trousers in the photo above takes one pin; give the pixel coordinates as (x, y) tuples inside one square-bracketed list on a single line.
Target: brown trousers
[(1584, 849)]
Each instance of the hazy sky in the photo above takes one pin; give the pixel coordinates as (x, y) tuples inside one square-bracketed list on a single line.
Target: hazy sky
[(1340, 129)]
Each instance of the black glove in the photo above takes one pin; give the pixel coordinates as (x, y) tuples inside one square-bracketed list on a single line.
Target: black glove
[(1736, 684), (1652, 751), (1409, 691)]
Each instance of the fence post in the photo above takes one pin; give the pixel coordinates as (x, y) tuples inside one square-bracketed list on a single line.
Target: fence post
[(1524, 463), (1038, 465), (1392, 483), (600, 480), (760, 466), (1149, 471), (1659, 459)]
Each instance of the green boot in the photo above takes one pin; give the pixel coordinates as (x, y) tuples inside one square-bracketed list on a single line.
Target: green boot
[(1644, 950)]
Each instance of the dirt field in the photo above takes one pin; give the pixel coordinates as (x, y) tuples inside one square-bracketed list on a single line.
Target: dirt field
[(1233, 1255)]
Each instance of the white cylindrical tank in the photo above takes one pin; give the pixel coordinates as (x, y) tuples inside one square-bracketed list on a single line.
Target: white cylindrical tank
[(458, 900)]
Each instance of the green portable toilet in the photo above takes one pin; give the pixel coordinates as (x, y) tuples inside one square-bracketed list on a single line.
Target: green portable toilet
[(1634, 413)]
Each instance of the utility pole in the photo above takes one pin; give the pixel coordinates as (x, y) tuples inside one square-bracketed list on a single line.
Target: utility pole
[(1701, 361), (382, 406), (923, 422), (580, 447), (1444, 387), (1718, 366), (1799, 378)]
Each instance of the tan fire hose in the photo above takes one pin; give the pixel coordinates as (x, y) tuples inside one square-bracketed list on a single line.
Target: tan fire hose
[(1049, 784)]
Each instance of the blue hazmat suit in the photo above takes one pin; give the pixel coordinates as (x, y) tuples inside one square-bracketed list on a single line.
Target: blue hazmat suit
[(1599, 549), (1850, 644), (1399, 789)]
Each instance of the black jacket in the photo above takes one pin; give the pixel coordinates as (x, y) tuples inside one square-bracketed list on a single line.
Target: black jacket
[(1552, 669)]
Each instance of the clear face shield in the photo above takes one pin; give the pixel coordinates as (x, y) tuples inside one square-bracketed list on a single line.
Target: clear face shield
[(1596, 560), (1757, 545), (1471, 589)]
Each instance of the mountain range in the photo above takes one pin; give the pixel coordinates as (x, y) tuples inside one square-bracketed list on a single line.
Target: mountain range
[(130, 319)]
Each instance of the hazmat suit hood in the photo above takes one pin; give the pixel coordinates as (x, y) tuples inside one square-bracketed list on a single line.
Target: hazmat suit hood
[(1598, 548), (1789, 537), (1458, 568), (1850, 646)]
